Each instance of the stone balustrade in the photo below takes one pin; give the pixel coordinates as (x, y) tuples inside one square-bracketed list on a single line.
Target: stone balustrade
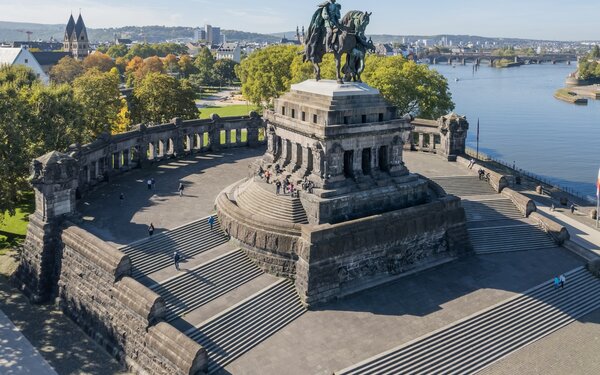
[(111, 155)]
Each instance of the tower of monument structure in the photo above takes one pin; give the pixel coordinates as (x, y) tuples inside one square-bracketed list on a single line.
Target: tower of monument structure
[(359, 217)]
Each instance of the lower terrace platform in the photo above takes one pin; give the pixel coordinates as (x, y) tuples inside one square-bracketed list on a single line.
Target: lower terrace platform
[(339, 334)]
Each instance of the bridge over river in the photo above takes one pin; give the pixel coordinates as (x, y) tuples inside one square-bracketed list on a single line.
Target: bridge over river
[(490, 59)]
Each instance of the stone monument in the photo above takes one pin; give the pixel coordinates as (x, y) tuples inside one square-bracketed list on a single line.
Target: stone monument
[(356, 216)]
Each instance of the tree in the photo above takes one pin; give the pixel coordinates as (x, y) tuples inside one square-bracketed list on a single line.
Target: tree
[(14, 158), (171, 64), (132, 68), (56, 119), (99, 61), (186, 66), (118, 50), (157, 98), (123, 121), (66, 70), (413, 88), (98, 93), (595, 53), (266, 73), (204, 63), (224, 71)]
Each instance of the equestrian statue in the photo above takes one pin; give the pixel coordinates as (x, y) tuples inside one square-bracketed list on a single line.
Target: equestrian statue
[(329, 33)]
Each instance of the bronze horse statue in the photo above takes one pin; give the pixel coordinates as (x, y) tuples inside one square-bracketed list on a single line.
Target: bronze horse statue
[(350, 40)]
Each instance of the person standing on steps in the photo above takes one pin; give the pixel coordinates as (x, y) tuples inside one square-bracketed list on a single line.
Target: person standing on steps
[(176, 259), (211, 222), (149, 183), (556, 282), (277, 187), (150, 230), (181, 187), (562, 279)]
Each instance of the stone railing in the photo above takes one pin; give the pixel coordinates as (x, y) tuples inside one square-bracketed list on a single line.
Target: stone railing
[(446, 136), (110, 155)]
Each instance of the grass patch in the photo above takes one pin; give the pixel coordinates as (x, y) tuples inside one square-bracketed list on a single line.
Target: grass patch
[(14, 228), (227, 111)]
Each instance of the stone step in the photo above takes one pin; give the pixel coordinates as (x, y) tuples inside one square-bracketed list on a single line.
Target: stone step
[(509, 239), (155, 253), (197, 287), (487, 210), (261, 200), (464, 185), (238, 329), (476, 342)]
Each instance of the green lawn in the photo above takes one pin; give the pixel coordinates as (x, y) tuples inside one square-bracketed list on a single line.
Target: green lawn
[(14, 228), (228, 111)]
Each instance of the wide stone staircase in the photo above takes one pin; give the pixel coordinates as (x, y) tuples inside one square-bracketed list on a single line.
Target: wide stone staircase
[(463, 186), (476, 342), (155, 253), (494, 223), (198, 286), (235, 331), (260, 198), (504, 239)]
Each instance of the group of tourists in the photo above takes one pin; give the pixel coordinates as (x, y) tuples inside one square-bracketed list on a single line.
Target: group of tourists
[(284, 184)]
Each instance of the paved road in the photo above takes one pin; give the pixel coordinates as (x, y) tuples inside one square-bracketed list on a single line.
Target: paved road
[(17, 355)]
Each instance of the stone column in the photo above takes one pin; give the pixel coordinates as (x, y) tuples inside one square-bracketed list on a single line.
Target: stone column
[(269, 156), (421, 141), (54, 179), (215, 132), (254, 124)]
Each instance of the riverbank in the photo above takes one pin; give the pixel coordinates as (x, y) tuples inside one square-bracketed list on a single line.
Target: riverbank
[(588, 91), (570, 96)]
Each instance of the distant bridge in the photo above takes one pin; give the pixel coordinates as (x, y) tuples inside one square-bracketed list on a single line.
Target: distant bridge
[(489, 59)]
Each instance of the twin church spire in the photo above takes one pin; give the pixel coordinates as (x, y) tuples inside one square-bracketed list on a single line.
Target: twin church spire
[(76, 38)]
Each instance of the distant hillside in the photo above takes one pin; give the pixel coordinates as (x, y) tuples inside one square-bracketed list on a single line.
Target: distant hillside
[(11, 31)]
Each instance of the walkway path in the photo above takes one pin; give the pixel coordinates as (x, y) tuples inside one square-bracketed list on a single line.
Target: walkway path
[(17, 355)]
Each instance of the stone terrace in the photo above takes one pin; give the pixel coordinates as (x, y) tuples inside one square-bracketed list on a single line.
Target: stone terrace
[(338, 334)]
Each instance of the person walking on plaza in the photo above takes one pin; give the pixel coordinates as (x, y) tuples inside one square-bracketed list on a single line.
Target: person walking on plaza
[(149, 183), (562, 279), (181, 187), (552, 208), (277, 187), (176, 259), (268, 177), (471, 163), (211, 222), (572, 209), (150, 230)]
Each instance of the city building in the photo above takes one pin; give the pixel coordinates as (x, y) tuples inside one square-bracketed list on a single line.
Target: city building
[(48, 59), (21, 56), (229, 51), (76, 39), (199, 35), (213, 34)]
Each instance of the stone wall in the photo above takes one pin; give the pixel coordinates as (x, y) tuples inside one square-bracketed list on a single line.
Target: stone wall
[(338, 259), (118, 312)]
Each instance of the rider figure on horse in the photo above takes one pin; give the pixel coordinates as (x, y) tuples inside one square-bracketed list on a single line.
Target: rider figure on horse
[(332, 14)]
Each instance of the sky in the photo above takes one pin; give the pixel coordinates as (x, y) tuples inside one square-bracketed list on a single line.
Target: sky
[(535, 19)]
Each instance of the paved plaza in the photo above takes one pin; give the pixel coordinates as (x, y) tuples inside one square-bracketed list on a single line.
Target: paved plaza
[(338, 334)]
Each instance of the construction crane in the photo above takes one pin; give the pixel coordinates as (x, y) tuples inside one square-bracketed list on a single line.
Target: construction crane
[(28, 34)]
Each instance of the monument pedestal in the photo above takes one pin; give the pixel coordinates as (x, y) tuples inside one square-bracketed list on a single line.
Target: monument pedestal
[(365, 217)]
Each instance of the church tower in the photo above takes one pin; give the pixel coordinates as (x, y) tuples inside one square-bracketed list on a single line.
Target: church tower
[(76, 39)]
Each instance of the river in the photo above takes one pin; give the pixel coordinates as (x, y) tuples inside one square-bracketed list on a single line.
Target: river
[(522, 122)]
